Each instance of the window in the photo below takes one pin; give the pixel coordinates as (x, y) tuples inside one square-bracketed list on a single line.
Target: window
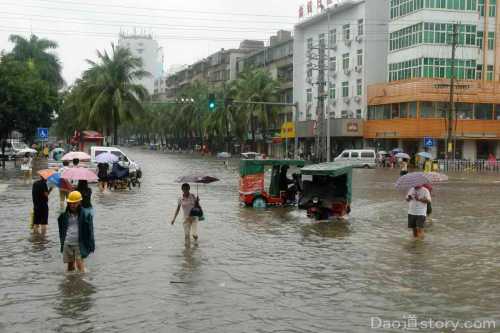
[(345, 89), (354, 154), (359, 87), (360, 27), (479, 39), (309, 44), (321, 39), (367, 154), (464, 110), (403, 110), (344, 114), (333, 37), (492, 10), (345, 61), (346, 155), (358, 114), (333, 91), (309, 95), (346, 32), (412, 112), (427, 110), (309, 70), (483, 111), (359, 58), (479, 72), (489, 73), (491, 40), (333, 64)]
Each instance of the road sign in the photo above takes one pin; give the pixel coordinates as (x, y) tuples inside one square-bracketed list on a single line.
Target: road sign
[(428, 142), (43, 133)]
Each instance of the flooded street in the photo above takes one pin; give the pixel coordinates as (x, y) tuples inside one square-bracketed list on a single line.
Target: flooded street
[(252, 270)]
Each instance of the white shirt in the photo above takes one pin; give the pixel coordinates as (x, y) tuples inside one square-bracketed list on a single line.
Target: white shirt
[(187, 204), (416, 207)]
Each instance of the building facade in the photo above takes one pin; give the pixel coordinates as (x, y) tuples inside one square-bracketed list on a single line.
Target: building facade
[(337, 54), (416, 102), (143, 46), (277, 59)]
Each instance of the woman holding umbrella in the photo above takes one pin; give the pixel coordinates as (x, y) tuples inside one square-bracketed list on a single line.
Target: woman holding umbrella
[(188, 202)]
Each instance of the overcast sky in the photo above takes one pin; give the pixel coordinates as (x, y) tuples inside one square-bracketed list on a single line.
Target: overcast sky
[(188, 30)]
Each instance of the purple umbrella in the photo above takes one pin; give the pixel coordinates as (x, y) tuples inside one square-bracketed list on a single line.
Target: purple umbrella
[(411, 180)]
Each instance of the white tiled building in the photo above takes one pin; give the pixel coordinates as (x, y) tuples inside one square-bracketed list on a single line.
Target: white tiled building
[(353, 36), (151, 54)]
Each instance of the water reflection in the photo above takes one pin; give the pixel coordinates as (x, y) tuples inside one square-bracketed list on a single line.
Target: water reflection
[(39, 242), (330, 229), (190, 264), (75, 300)]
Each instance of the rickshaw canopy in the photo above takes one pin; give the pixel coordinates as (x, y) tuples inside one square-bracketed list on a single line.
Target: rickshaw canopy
[(334, 170), (251, 167)]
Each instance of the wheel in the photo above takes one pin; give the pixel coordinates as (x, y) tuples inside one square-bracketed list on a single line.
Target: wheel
[(259, 203), (366, 166)]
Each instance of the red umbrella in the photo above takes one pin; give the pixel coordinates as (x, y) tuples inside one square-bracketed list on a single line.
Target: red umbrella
[(411, 180)]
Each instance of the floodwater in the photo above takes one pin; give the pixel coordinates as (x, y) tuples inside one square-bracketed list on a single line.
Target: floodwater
[(253, 270)]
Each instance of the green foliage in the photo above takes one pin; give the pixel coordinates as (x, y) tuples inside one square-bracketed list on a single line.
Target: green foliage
[(26, 100)]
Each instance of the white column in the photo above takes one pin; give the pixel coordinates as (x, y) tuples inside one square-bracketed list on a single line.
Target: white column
[(470, 149)]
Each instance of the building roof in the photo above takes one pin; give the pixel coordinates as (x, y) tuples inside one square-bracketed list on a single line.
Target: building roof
[(332, 10)]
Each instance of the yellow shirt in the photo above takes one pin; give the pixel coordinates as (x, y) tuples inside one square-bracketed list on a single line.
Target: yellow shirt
[(428, 166)]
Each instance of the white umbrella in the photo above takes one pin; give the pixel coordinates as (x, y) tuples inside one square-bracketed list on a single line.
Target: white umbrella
[(403, 155)]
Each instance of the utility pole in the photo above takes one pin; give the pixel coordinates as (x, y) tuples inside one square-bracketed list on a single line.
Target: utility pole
[(451, 106), (328, 139)]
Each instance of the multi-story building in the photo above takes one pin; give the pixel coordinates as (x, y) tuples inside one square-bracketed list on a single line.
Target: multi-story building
[(147, 49), (337, 54), (277, 59), (415, 103), (214, 70)]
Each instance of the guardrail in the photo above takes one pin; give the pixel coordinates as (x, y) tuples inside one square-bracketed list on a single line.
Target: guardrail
[(469, 165)]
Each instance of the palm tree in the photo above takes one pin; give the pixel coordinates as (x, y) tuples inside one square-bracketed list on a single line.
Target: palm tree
[(256, 86), (110, 87), (35, 52)]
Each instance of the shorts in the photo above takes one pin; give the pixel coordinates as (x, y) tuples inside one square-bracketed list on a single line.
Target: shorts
[(41, 215), (403, 172), (71, 253), (416, 221)]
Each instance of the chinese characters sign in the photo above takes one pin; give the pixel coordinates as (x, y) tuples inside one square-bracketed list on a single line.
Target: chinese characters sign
[(312, 7)]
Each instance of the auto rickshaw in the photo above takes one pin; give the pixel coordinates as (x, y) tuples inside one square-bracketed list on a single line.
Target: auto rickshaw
[(326, 190), (281, 190)]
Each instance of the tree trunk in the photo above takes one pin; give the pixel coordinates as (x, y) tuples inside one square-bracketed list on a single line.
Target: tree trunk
[(115, 132), (252, 124)]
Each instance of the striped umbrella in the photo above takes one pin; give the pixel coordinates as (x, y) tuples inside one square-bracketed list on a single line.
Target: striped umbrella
[(411, 180)]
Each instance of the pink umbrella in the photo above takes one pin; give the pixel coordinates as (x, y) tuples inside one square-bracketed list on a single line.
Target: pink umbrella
[(411, 180), (79, 174), (76, 154)]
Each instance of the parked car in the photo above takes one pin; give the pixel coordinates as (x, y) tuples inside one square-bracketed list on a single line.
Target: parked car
[(96, 150), (358, 158), (12, 148)]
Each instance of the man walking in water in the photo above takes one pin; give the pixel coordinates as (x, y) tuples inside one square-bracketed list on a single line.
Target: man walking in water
[(418, 197)]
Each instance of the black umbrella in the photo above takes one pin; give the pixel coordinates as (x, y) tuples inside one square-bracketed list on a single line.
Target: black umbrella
[(197, 179)]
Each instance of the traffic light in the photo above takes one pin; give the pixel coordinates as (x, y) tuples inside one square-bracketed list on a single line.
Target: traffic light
[(211, 102)]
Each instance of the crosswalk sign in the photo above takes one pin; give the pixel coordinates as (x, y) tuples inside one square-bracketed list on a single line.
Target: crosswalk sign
[(43, 133), (428, 142)]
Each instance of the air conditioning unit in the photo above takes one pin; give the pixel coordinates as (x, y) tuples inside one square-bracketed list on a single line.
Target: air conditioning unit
[(359, 38), (347, 71), (357, 99), (347, 100), (358, 69), (348, 42)]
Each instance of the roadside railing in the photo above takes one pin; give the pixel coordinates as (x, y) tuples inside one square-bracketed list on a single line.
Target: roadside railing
[(469, 165)]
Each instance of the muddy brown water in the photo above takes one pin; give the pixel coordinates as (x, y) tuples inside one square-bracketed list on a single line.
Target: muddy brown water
[(252, 270)]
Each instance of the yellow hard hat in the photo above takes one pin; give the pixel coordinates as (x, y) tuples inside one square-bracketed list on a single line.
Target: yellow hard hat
[(74, 196)]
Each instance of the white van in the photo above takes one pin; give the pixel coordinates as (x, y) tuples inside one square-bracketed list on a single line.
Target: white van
[(96, 151), (359, 158)]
